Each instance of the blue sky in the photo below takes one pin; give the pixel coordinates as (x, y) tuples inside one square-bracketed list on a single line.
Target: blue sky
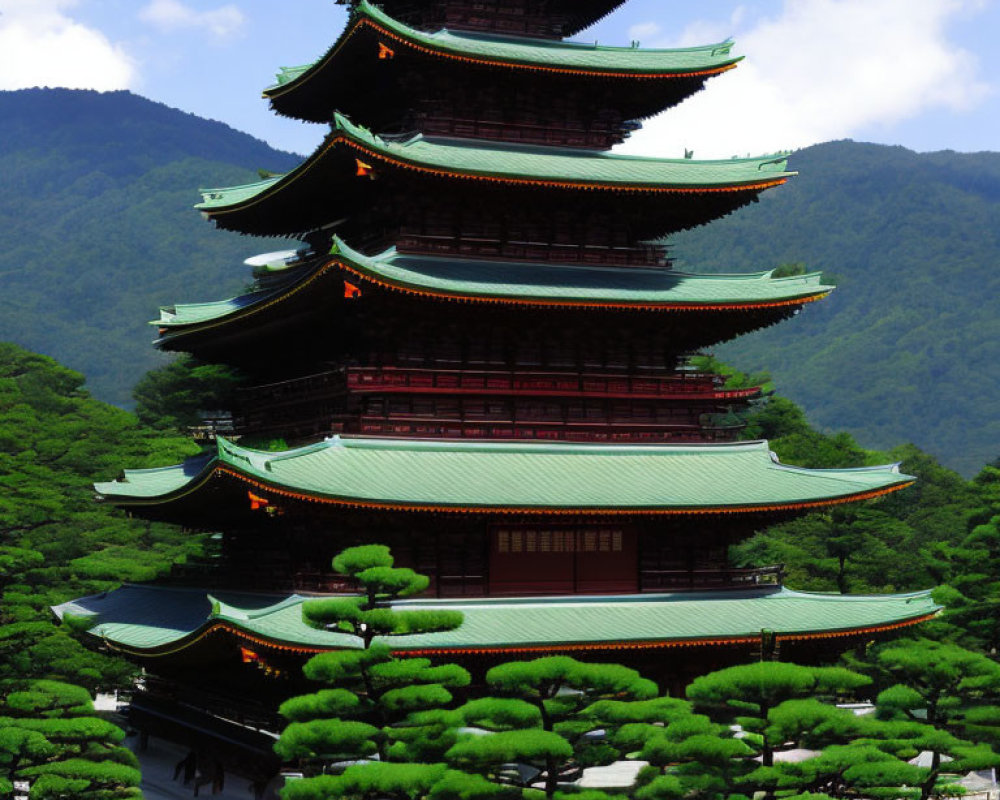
[(921, 73)]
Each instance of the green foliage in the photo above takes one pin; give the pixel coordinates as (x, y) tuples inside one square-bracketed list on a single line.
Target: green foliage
[(543, 679), (904, 350), (856, 548), (488, 753), (98, 195), (173, 397), (543, 716), (752, 696), (972, 570), (378, 707), (50, 737), (325, 703), (55, 542), (330, 739)]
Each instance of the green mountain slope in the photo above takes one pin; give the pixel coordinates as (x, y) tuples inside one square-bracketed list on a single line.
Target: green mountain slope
[(98, 231), (97, 226), (908, 347)]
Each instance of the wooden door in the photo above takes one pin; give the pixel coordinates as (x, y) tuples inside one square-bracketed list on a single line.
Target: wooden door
[(563, 560)]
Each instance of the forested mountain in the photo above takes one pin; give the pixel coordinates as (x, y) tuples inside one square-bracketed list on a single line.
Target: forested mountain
[(908, 347), (99, 231)]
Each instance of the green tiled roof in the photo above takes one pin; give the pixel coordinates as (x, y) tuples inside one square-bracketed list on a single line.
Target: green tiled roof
[(531, 53), (517, 163), (142, 618), (500, 476), (194, 313), (585, 284), (518, 281)]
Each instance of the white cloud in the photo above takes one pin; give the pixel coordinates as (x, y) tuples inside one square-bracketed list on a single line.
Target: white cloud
[(645, 30), (169, 15), (42, 45), (821, 70)]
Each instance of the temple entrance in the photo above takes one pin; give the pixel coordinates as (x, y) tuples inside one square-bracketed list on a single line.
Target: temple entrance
[(563, 560)]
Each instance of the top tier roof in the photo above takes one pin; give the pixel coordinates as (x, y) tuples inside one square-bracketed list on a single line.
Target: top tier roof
[(319, 191), (574, 15), (312, 91)]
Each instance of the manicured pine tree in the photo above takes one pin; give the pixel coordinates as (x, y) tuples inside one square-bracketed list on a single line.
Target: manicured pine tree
[(945, 700), (766, 701), (543, 715), (373, 704), (747, 696), (51, 738), (689, 755), (854, 771)]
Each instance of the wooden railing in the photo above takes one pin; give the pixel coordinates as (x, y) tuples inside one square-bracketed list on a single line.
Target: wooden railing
[(540, 384), (656, 580), (548, 431), (449, 242)]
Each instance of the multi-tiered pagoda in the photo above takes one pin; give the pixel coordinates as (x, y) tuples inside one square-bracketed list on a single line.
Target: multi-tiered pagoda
[(480, 356)]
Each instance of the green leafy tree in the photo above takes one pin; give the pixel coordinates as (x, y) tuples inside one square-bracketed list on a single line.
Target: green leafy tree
[(376, 706), (689, 755), (942, 699), (766, 701), (55, 542), (51, 738), (543, 714), (173, 397), (971, 572), (857, 770)]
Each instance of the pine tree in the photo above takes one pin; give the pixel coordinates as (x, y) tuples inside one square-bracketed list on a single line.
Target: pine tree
[(942, 700), (544, 716), (51, 739), (375, 706)]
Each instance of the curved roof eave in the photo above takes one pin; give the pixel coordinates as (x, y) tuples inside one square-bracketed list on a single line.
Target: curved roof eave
[(157, 621), (517, 165), (552, 286), (523, 478), (560, 285), (517, 53)]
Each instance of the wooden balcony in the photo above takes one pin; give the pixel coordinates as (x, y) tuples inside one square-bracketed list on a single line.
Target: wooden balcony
[(684, 387)]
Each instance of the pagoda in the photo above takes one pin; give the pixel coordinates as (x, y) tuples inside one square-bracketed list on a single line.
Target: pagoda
[(480, 356)]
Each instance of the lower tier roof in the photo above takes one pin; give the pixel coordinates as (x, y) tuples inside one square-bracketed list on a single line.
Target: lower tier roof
[(151, 621), (515, 477)]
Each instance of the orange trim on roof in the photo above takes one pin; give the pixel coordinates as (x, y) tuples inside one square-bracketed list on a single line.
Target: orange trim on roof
[(535, 67), (521, 181), (229, 628), (388, 506), (281, 90), (519, 301), (280, 185)]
